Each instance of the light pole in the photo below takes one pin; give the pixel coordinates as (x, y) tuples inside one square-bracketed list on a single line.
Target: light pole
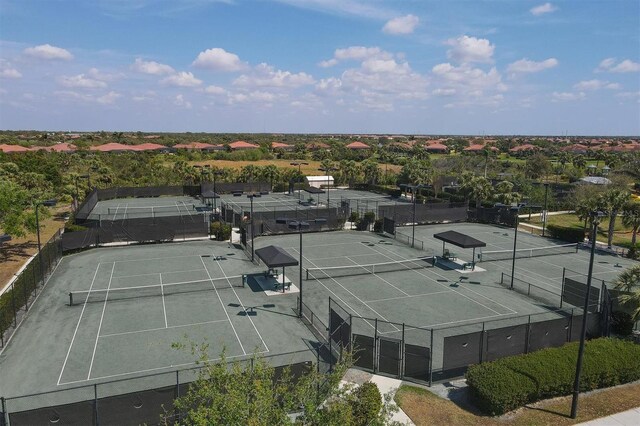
[(251, 197), (595, 219), (299, 226), (216, 172), (545, 213), (515, 243), (299, 164), (328, 170), (46, 203), (77, 192)]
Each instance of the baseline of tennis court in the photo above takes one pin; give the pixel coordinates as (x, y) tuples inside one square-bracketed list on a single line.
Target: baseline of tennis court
[(130, 305), (124, 208)]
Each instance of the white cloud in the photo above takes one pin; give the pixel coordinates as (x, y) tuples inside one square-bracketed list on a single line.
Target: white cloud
[(81, 81), (182, 79), (629, 95), (470, 86), (595, 85), (359, 8), (182, 102), (444, 92), (46, 51), (109, 98), (543, 9), (219, 60), (465, 49), (401, 25), (102, 76), (567, 96), (526, 66), (214, 90), (10, 73), (626, 65), (265, 75), (258, 96), (151, 67), (355, 53)]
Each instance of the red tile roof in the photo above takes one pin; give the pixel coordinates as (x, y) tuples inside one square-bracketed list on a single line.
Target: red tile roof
[(479, 147), (436, 146), (525, 147), (275, 145), (112, 146), (317, 145), (242, 145), (576, 147), (195, 145), (148, 147), (358, 145), (7, 149)]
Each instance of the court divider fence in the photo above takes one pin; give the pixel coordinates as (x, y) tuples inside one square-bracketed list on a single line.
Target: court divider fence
[(16, 301), (428, 354), (138, 400)]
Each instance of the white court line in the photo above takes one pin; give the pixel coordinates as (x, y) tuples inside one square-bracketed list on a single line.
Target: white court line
[(116, 212), (157, 258), (186, 208), (104, 307), (378, 276), (351, 293), (126, 207), (148, 370), (407, 296), (223, 307), (124, 333), (164, 307), (75, 332), (242, 305), (456, 291)]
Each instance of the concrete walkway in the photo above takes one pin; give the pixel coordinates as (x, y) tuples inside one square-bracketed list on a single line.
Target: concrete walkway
[(626, 418)]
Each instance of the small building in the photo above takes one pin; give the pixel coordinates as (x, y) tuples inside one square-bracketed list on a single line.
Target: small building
[(282, 146), (479, 149), (11, 149), (113, 147), (594, 180), (153, 147), (357, 145), (576, 148), (436, 148), (242, 145), (524, 149), (199, 146), (318, 146), (319, 181)]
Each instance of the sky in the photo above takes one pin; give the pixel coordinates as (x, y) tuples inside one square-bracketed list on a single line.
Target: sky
[(496, 67)]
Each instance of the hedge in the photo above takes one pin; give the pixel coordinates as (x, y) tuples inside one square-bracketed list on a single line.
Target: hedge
[(570, 235), (506, 384)]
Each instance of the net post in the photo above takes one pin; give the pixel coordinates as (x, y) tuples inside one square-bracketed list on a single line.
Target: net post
[(70, 299), (3, 411), (95, 405)]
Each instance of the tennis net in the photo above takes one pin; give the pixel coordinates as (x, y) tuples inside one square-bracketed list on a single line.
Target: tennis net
[(375, 268), (157, 290), (152, 209), (488, 256)]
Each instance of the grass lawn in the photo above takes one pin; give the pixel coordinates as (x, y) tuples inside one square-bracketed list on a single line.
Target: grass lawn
[(426, 408), (17, 251), (621, 234), (309, 170)]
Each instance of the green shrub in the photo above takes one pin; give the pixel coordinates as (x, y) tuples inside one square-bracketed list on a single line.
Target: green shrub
[(367, 404), (506, 384), (353, 217), (377, 225), (622, 323), (570, 235), (220, 231), (72, 227)]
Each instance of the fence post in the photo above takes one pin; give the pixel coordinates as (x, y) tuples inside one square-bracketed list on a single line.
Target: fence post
[(482, 343), (402, 355), (13, 302), (95, 405), (562, 286), (3, 408), (375, 345), (431, 360), (528, 337)]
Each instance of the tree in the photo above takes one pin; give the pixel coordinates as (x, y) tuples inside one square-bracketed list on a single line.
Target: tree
[(579, 162), (271, 173), (612, 201), (15, 217), (349, 169), (629, 283), (478, 187), (631, 219), (250, 393), (371, 171), (586, 199), (505, 194)]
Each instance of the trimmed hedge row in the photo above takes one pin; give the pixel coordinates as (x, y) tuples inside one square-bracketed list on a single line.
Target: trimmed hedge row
[(570, 235), (506, 384)]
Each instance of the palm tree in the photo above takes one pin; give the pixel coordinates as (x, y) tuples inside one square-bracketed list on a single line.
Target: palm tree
[(478, 187), (349, 170), (629, 283), (248, 173), (631, 219), (579, 162), (612, 202), (271, 173), (505, 194), (371, 171)]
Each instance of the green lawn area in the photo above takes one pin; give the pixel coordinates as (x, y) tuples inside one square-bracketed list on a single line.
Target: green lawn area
[(426, 408), (621, 235)]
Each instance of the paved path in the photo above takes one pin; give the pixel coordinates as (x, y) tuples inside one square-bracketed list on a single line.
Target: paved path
[(626, 418)]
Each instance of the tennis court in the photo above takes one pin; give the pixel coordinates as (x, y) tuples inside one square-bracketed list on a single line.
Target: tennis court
[(114, 313), (127, 208), (273, 201)]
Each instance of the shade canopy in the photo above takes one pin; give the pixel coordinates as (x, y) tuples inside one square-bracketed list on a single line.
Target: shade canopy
[(275, 257), (210, 194), (313, 190), (458, 239)]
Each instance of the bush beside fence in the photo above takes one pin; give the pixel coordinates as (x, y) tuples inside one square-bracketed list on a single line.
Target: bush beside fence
[(506, 384), (570, 235)]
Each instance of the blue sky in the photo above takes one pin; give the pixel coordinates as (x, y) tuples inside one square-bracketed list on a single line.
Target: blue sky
[(322, 66)]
